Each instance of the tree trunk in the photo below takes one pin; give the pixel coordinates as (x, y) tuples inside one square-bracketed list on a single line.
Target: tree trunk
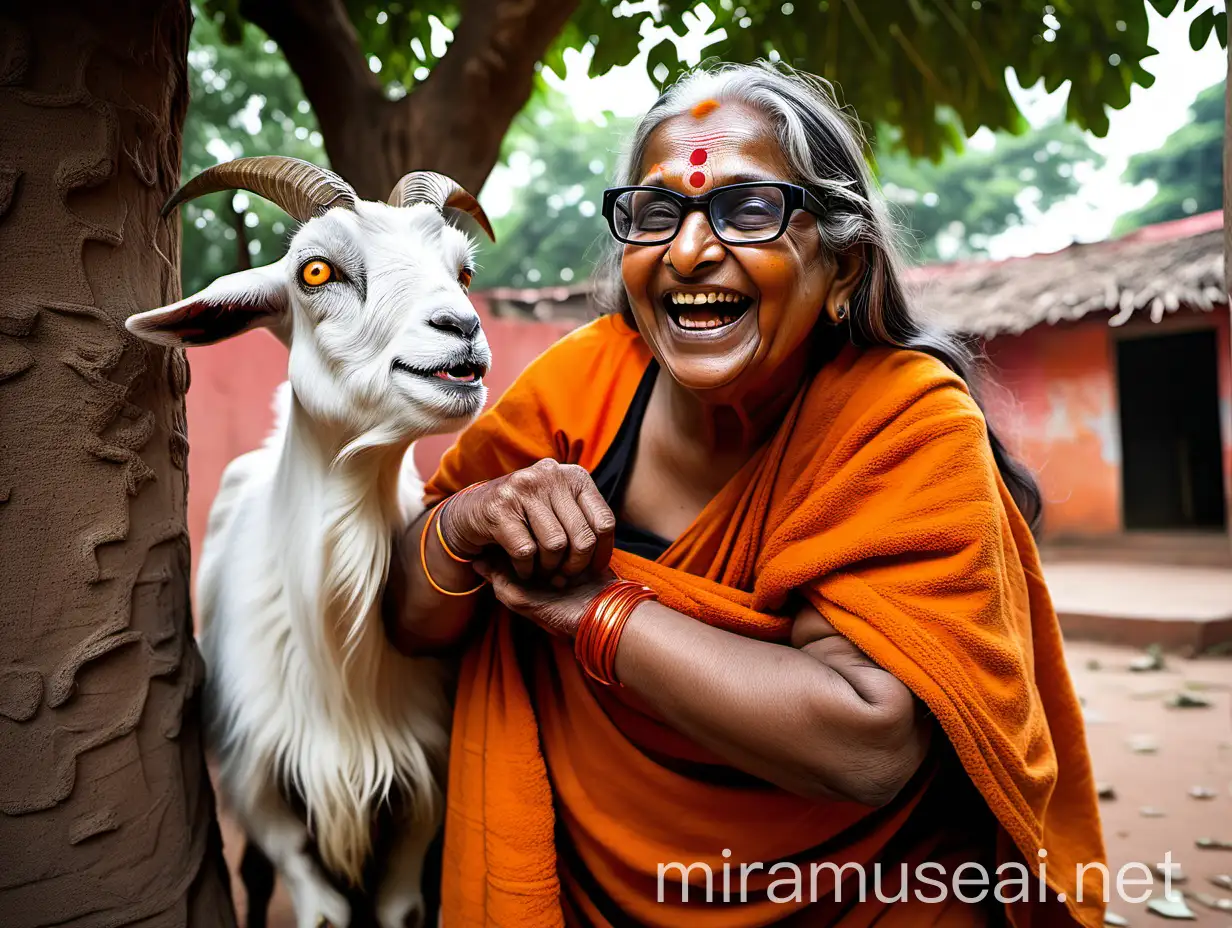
[(453, 122), (106, 808), (1227, 213)]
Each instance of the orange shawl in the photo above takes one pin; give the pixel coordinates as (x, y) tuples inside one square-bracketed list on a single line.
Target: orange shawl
[(878, 501)]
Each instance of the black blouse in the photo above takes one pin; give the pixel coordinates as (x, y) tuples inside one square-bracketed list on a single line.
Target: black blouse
[(612, 474)]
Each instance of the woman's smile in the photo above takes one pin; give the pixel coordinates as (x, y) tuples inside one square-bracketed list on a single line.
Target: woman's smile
[(706, 312)]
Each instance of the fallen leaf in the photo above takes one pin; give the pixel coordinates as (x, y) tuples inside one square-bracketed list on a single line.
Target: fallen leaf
[(1203, 686), (1219, 904), (1094, 664), (1185, 701), (1171, 905), (1214, 844), (1152, 660), (1178, 875), (1143, 744), (1111, 918), (1202, 792), (1105, 790), (1151, 812)]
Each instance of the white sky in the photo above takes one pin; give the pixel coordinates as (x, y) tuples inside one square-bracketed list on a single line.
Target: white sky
[(1150, 116)]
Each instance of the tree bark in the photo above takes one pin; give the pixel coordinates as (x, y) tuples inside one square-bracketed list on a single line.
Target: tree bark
[(453, 122), (106, 808)]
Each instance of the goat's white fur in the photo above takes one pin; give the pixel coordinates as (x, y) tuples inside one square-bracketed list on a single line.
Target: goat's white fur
[(304, 693)]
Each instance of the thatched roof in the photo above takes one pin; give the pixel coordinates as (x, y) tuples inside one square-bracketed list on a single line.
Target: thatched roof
[(1156, 270)]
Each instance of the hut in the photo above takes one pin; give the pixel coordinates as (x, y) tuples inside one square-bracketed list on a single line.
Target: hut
[(1109, 370)]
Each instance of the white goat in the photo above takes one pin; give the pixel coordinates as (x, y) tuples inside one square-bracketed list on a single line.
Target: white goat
[(306, 700)]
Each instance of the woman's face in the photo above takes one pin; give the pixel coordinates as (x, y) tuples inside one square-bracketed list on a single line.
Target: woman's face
[(768, 297)]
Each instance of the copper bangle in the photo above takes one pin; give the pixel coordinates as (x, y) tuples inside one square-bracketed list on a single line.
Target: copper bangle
[(440, 536), (601, 626), (423, 557)]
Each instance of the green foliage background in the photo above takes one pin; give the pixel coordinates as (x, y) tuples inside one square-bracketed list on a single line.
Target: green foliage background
[(1188, 167), (246, 101)]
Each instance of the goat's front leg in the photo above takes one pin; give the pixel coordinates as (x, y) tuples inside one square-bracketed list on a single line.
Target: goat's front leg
[(275, 828), (399, 897)]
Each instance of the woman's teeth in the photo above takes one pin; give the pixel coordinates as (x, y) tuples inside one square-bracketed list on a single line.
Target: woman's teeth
[(688, 320), (721, 309), (693, 299)]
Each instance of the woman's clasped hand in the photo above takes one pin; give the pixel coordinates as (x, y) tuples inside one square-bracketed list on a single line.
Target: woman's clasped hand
[(542, 536)]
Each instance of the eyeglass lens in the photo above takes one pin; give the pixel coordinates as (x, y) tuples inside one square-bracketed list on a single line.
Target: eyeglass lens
[(741, 214)]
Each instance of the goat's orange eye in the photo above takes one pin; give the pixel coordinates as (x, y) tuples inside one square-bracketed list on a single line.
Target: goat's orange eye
[(465, 276), (318, 272)]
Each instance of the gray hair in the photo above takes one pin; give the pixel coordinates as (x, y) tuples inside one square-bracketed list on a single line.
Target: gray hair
[(824, 148)]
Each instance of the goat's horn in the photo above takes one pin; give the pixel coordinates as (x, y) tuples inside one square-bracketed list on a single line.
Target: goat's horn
[(439, 191), (301, 188)]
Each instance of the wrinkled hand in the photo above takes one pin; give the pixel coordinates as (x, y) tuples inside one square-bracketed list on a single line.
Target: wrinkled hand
[(549, 518), (557, 610)]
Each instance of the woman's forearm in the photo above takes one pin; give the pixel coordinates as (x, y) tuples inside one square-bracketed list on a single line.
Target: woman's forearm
[(425, 620), (770, 709)]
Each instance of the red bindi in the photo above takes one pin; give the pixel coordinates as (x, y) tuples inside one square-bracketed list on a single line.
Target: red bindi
[(698, 156), (697, 178)]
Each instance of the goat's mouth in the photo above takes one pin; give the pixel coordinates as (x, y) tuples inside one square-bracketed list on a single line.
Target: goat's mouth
[(466, 373)]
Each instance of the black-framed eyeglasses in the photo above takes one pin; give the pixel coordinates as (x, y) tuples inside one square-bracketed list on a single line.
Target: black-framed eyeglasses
[(751, 213)]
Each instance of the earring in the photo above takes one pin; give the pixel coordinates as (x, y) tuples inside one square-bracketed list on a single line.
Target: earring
[(841, 313)]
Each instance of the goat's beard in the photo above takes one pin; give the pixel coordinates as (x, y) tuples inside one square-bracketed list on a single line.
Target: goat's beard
[(358, 682)]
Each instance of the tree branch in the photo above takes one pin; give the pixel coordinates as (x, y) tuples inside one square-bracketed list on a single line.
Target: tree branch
[(453, 122), (322, 47)]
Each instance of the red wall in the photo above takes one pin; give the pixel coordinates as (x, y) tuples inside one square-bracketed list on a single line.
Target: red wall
[(1055, 403), (1055, 406), (230, 412)]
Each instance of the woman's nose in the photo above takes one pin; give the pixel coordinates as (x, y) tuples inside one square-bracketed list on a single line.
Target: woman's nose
[(694, 248)]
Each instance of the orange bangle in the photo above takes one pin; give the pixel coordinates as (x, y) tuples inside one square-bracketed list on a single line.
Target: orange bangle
[(440, 536), (602, 625), (423, 557)]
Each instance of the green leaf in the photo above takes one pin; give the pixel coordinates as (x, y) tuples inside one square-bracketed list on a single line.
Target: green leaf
[(1164, 7), (1200, 29), (1190, 4), (663, 54), (1221, 28)]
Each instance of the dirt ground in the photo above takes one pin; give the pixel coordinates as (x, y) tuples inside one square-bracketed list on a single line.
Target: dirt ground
[(1125, 710)]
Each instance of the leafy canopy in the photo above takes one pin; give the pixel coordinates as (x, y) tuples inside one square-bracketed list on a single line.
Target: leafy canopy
[(895, 61)]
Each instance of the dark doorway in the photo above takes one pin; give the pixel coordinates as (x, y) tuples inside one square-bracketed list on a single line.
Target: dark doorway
[(1171, 457)]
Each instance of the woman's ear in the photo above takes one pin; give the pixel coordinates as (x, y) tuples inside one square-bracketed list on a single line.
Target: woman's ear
[(230, 305), (847, 274)]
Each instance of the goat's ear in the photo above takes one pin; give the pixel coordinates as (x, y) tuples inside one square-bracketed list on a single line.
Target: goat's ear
[(227, 307)]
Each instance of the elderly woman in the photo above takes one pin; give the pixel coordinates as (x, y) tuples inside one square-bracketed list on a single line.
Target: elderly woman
[(752, 623)]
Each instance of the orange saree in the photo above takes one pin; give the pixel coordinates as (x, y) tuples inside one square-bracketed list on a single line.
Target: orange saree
[(877, 500)]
